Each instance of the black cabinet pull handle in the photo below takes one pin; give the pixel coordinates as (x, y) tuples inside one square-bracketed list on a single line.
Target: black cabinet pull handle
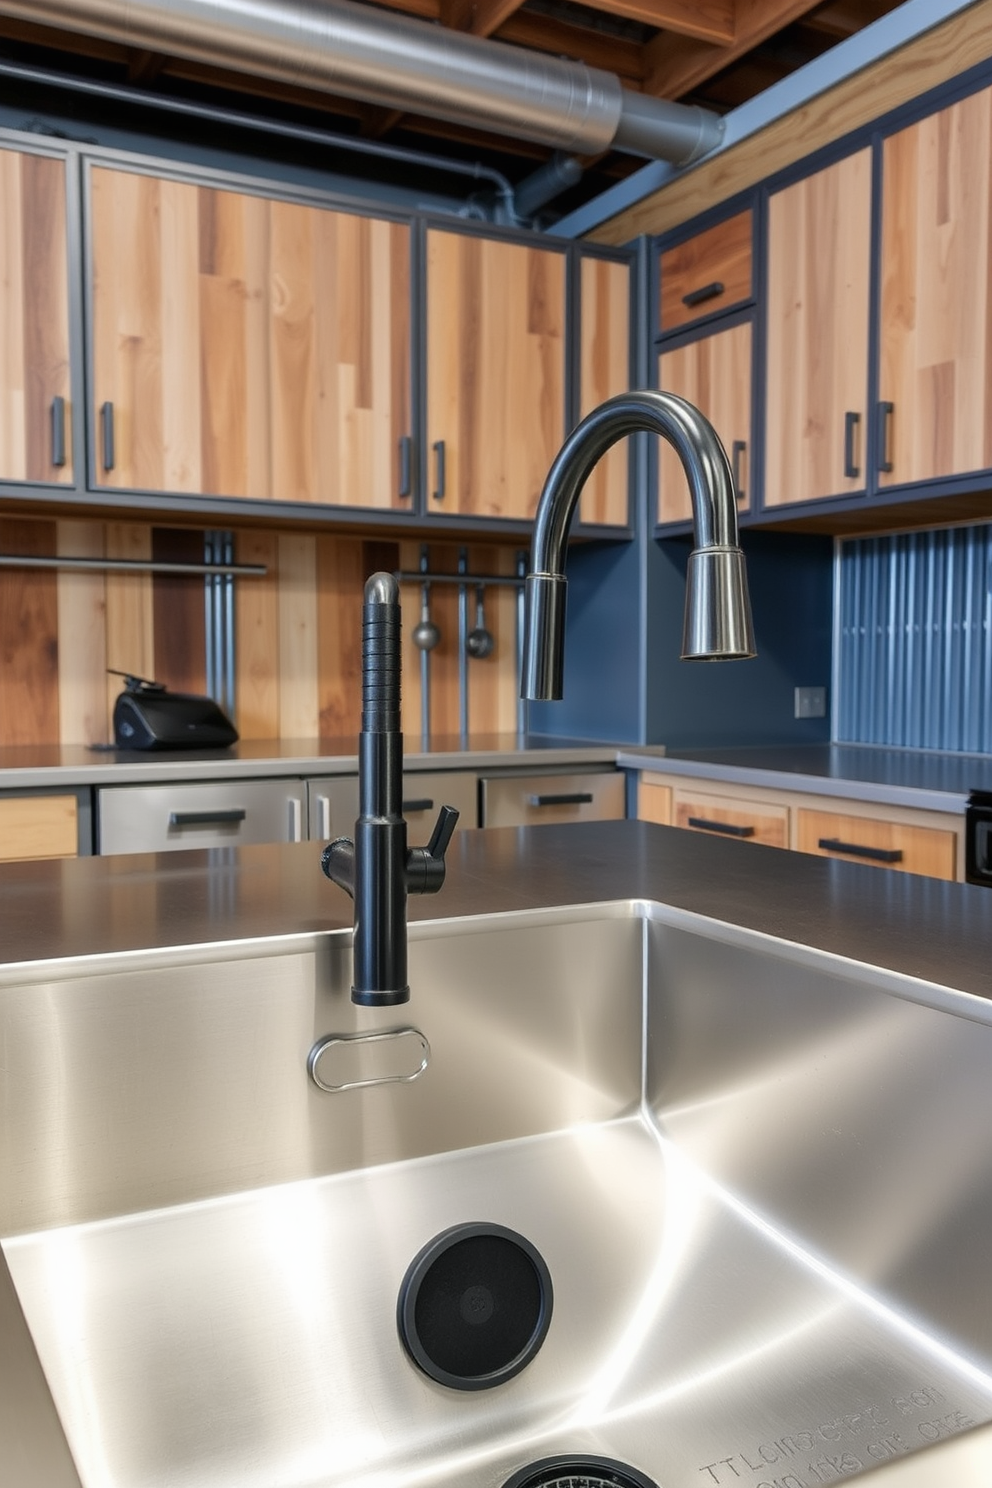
[(737, 450), (700, 296), (729, 829), (207, 818), (438, 448), (885, 412), (422, 803), (851, 422), (406, 465), (58, 431), (562, 798), (858, 850), (107, 433)]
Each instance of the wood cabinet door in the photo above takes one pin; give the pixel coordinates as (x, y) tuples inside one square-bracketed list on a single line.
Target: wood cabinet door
[(714, 373), (244, 346), (495, 373), (604, 370), (710, 271), (819, 262), (35, 437), (935, 372)]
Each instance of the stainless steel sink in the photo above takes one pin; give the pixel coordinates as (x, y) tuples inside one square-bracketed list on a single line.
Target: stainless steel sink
[(760, 1178)]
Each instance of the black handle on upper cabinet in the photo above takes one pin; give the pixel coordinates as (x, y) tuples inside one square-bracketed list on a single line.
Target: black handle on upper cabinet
[(107, 434), (737, 450), (562, 798), (859, 850), (438, 448), (729, 829), (58, 431), (406, 466), (885, 412), (700, 296), (851, 422)]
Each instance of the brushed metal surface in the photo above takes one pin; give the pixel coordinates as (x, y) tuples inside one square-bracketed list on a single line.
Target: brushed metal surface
[(760, 1176), (511, 800), (139, 818)]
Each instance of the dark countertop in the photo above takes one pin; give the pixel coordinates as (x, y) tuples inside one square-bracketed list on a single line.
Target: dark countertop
[(922, 927), (896, 777)]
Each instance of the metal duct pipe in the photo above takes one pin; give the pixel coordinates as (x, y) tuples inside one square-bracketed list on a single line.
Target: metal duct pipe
[(384, 58)]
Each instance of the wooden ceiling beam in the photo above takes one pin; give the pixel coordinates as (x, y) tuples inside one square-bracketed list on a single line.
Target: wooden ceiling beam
[(713, 21), (596, 49), (478, 17), (674, 65)]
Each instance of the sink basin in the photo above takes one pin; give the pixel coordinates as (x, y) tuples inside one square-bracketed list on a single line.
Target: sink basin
[(759, 1176)]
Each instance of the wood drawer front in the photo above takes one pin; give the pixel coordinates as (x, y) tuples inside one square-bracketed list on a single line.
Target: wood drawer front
[(884, 844), (531, 800), (720, 256), (724, 816), (38, 827), (654, 802)]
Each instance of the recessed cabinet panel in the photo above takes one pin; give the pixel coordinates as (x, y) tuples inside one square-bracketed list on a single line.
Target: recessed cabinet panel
[(495, 373), (819, 256), (247, 347), (935, 381), (604, 370), (714, 373), (35, 432)]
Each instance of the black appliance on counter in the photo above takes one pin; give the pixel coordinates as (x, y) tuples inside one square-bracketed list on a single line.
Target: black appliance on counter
[(978, 839), (148, 716)]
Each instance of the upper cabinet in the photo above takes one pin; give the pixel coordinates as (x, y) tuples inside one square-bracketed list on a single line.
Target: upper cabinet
[(246, 346), (496, 414), (35, 427), (935, 358), (816, 303), (708, 272), (604, 370), (712, 371)]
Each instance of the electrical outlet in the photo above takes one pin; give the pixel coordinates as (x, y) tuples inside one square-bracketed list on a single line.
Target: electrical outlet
[(811, 702)]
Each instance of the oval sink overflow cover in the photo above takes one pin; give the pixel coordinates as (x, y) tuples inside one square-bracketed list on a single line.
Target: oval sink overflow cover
[(474, 1306)]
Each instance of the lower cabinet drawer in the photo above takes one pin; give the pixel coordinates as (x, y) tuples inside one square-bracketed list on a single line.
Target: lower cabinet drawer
[(529, 800), (164, 818), (747, 821), (333, 803), (886, 844), (38, 827)]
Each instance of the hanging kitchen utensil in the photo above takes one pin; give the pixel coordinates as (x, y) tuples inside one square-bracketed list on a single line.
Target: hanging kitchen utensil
[(425, 634), (480, 642)]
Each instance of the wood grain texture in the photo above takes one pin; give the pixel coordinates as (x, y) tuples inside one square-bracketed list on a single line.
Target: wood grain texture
[(130, 608), (719, 255), (604, 369), (936, 306), (179, 612), (84, 716), (299, 706), (29, 688), (654, 802), (38, 827), (714, 373), (924, 849), (495, 370), (937, 56), (819, 265), (766, 824), (34, 315), (256, 608)]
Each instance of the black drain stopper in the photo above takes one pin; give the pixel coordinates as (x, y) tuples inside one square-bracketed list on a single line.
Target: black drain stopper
[(474, 1306), (578, 1472)]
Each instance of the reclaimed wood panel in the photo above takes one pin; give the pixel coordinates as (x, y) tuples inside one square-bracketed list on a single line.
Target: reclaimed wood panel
[(604, 369), (179, 612), (84, 715), (495, 371), (721, 255), (819, 265), (935, 339), (34, 316), (256, 609), (341, 575), (38, 827), (299, 704), (925, 850), (714, 373), (29, 660), (130, 608)]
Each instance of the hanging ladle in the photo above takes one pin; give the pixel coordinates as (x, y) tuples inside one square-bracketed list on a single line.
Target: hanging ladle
[(480, 642), (425, 634)]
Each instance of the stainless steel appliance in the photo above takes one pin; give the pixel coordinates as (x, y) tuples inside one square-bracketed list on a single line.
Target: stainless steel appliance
[(978, 839)]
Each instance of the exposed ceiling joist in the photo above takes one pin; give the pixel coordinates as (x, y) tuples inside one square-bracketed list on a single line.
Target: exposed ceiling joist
[(674, 65), (611, 53), (713, 21), (480, 17)]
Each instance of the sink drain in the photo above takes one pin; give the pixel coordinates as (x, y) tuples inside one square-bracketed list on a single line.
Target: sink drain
[(578, 1472), (474, 1306)]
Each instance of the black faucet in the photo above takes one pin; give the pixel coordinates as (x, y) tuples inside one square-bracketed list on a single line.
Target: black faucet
[(377, 869)]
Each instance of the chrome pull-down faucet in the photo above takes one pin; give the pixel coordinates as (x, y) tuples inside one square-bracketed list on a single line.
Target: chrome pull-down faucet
[(717, 609), (377, 868)]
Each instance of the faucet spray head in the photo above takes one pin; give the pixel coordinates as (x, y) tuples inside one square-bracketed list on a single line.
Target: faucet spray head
[(717, 607)]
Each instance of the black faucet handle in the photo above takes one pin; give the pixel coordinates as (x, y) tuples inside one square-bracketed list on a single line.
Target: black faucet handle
[(425, 865)]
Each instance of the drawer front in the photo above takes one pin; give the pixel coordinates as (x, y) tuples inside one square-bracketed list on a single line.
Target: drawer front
[(38, 827), (884, 844), (654, 802), (333, 803), (165, 818), (708, 272), (721, 816), (529, 800)]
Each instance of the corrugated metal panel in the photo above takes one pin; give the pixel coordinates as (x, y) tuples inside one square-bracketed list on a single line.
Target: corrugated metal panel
[(914, 640)]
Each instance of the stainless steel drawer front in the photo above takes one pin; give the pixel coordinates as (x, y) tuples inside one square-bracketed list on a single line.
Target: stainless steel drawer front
[(528, 800), (166, 818), (333, 803)]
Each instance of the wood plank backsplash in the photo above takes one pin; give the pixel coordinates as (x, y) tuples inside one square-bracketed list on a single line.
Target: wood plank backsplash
[(297, 631)]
